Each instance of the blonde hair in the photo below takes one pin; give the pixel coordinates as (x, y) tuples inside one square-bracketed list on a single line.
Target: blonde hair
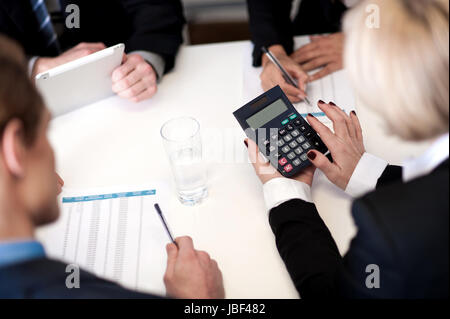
[(401, 68)]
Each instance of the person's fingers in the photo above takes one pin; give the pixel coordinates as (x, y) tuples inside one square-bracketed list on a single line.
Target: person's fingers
[(317, 63), (253, 153), (294, 99), (321, 74), (306, 56), (142, 72), (263, 168), (339, 122), (305, 49), (214, 265), (325, 133), (327, 70), (74, 55), (350, 127), (172, 253), (60, 180), (122, 71), (59, 184), (132, 91), (322, 162), (313, 38), (204, 258), (302, 77), (85, 48), (97, 45), (357, 125), (185, 245), (145, 95), (359, 134), (292, 91), (271, 77), (260, 164), (128, 82)]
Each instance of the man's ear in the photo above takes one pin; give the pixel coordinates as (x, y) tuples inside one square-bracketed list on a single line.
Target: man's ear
[(13, 148)]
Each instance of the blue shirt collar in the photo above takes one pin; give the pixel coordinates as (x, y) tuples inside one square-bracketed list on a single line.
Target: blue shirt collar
[(20, 251)]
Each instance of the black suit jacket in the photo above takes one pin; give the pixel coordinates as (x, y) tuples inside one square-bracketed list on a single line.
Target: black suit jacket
[(151, 25), (46, 279), (402, 228), (270, 22)]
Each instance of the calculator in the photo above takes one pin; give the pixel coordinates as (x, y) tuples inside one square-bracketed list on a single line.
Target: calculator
[(282, 134)]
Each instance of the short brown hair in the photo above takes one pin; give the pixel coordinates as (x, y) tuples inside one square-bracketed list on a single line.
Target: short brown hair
[(19, 98)]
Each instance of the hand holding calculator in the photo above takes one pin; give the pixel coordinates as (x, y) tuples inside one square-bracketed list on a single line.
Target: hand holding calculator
[(282, 135)]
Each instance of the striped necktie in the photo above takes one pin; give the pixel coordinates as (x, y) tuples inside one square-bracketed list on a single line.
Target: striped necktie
[(45, 27)]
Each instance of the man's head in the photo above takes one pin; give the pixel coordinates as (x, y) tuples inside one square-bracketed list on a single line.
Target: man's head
[(27, 169)]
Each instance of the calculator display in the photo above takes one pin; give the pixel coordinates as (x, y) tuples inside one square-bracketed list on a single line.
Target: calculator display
[(267, 114)]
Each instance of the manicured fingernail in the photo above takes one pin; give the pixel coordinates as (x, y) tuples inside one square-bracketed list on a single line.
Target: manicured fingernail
[(312, 156), (354, 113), (246, 144), (332, 103), (309, 114), (321, 102)]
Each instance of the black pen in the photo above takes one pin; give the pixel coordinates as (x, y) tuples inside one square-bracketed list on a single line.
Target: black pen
[(286, 74), (158, 210)]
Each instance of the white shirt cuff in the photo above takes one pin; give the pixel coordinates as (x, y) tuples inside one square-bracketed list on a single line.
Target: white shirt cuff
[(366, 175), (31, 63), (280, 190), (156, 61)]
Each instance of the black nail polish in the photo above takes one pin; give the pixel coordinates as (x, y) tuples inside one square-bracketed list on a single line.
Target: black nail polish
[(309, 114), (332, 103), (354, 113), (321, 102), (246, 144), (312, 156)]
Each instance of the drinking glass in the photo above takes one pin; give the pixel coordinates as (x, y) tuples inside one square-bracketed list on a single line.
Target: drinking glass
[(182, 141)]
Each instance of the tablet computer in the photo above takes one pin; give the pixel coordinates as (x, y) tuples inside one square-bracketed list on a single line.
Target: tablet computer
[(80, 82)]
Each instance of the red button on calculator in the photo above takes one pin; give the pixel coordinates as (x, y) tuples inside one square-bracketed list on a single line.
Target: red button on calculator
[(288, 168), (283, 161)]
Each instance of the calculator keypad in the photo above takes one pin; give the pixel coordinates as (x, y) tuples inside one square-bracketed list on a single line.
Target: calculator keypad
[(290, 146)]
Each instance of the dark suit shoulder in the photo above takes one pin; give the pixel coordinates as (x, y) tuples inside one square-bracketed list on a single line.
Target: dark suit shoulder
[(421, 203), (413, 220), (46, 278)]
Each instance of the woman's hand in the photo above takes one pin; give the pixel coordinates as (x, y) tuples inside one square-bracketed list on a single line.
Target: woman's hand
[(267, 172), (346, 144), (325, 52), (271, 76), (59, 183)]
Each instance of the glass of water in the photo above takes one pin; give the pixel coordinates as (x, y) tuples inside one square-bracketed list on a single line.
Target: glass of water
[(182, 141)]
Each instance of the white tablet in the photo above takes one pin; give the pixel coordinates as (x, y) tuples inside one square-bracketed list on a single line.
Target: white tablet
[(80, 82)]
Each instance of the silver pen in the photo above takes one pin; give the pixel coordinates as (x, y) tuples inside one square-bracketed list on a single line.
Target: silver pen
[(286, 74)]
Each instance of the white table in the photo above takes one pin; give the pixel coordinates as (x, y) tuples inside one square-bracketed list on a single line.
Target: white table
[(115, 142)]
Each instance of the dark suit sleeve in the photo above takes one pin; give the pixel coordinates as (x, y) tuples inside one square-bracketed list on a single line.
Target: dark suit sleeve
[(270, 24), (313, 260), (306, 247), (390, 175), (157, 27)]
